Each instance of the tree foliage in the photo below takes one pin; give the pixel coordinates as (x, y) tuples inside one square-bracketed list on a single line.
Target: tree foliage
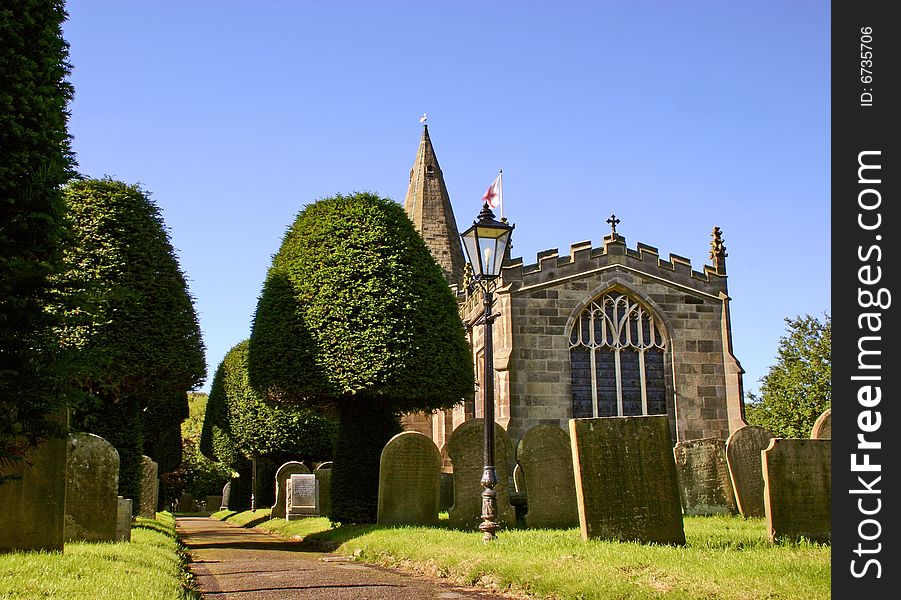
[(239, 425), (35, 160), (355, 315), (136, 323), (798, 388)]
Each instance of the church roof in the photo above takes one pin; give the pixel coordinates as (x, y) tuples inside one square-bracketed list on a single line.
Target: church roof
[(428, 206)]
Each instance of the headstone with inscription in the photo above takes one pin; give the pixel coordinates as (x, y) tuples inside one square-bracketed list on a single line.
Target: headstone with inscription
[(743, 450), (282, 475), (92, 483), (123, 519), (704, 483), (33, 506), (626, 483), (149, 487), (798, 489), (545, 456), (466, 450), (409, 480), (822, 427), (302, 494)]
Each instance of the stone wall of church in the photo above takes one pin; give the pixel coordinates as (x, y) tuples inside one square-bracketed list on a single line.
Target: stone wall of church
[(539, 303)]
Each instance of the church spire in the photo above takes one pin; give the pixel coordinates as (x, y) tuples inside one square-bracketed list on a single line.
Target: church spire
[(428, 206)]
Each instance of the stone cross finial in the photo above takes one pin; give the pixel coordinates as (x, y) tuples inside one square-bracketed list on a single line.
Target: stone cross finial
[(718, 251), (613, 221)]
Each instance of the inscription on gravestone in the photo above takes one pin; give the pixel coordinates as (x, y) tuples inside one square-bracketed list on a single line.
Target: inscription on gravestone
[(798, 492), (303, 496), (409, 480), (743, 450)]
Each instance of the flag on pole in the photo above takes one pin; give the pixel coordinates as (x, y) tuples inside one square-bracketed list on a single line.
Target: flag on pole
[(493, 195)]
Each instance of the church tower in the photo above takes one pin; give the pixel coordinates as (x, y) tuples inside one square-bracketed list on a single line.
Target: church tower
[(428, 206)]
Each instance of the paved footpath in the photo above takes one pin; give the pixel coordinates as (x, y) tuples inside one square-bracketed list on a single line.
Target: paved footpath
[(247, 564)]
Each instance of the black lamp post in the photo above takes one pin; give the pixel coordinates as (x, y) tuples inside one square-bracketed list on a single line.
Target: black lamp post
[(486, 244)]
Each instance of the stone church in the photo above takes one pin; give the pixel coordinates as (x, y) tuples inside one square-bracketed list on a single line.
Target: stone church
[(602, 331)]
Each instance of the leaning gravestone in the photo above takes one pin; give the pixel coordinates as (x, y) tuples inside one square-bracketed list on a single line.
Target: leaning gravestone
[(92, 483), (302, 494), (822, 427), (704, 483), (466, 450), (149, 487), (626, 483), (798, 491), (323, 475), (409, 480), (743, 450), (282, 475), (545, 456), (123, 519), (33, 507)]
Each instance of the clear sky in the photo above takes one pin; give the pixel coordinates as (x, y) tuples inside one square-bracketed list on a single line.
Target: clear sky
[(676, 115)]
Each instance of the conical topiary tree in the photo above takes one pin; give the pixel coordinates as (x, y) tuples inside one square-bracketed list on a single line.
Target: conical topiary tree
[(355, 316)]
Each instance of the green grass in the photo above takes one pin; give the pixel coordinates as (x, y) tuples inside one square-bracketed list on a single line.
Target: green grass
[(150, 567), (724, 558)]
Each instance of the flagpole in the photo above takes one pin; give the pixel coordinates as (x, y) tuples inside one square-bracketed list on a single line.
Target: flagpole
[(500, 185)]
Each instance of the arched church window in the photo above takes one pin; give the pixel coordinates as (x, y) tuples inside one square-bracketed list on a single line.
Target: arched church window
[(616, 357)]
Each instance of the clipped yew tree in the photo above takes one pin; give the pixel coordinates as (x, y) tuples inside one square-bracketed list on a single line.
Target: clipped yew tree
[(137, 326), (35, 160), (355, 317)]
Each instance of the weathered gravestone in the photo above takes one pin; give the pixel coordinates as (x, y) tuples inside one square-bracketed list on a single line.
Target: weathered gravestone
[(123, 519), (186, 503), (798, 491), (33, 507), (545, 456), (282, 475), (409, 480), (323, 475), (822, 427), (466, 450), (302, 494), (626, 483), (226, 495), (92, 483), (213, 503), (150, 486), (704, 483), (743, 450)]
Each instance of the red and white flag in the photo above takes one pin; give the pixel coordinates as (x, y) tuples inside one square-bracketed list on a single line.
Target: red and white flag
[(493, 195)]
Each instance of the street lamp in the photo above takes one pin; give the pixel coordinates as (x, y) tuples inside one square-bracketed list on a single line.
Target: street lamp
[(486, 244)]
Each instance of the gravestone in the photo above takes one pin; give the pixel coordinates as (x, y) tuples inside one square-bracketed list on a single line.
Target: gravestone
[(226, 493), (123, 519), (625, 475), (409, 480), (213, 503), (149, 487), (519, 481), (743, 450), (33, 507), (798, 491), (302, 494), (822, 427), (282, 475), (446, 495), (545, 456), (704, 484), (186, 503), (92, 483), (466, 451), (324, 481)]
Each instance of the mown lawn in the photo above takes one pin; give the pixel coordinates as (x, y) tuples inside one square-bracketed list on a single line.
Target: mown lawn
[(723, 558), (150, 567)]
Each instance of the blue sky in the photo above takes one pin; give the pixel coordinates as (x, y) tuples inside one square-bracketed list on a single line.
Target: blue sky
[(677, 116)]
